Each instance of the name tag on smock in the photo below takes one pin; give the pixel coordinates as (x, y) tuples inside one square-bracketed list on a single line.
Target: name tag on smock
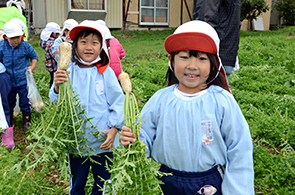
[(207, 134), (99, 87)]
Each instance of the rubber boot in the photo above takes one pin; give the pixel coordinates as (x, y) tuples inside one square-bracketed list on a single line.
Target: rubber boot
[(26, 121), (7, 138)]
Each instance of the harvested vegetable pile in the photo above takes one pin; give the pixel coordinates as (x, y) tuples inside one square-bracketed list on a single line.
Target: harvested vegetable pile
[(132, 172)]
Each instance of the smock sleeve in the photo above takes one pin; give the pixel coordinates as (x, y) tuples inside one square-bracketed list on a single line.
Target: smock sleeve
[(115, 99), (239, 171)]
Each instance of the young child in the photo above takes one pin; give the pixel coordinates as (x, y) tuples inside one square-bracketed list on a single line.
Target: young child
[(5, 87), (64, 37), (18, 56), (100, 96), (194, 127), (47, 38), (115, 50)]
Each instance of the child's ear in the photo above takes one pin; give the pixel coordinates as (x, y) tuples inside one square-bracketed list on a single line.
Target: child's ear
[(4, 37), (169, 57)]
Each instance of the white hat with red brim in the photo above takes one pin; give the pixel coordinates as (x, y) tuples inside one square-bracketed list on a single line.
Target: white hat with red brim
[(195, 35)]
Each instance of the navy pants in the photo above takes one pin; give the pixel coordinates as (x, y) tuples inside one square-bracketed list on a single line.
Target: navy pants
[(24, 102), (191, 183), (5, 88), (79, 169), (51, 79)]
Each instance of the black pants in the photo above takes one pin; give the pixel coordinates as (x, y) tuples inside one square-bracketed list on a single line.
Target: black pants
[(191, 183), (79, 169)]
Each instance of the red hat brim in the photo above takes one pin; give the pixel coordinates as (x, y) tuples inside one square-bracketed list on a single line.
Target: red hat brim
[(190, 41), (74, 32)]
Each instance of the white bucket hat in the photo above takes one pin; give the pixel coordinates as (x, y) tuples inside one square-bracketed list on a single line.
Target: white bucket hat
[(51, 27), (195, 35), (101, 22), (12, 29), (20, 4), (20, 22), (106, 30), (107, 33), (69, 24)]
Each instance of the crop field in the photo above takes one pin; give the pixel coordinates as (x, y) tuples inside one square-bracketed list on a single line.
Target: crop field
[(264, 87)]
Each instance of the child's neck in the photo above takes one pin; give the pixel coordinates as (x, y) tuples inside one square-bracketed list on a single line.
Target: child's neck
[(86, 66)]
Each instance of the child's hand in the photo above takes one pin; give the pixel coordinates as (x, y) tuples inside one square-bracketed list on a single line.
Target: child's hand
[(127, 136), (111, 134), (60, 77), (30, 68)]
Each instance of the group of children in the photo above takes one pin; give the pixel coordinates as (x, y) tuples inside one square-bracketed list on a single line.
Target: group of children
[(193, 127)]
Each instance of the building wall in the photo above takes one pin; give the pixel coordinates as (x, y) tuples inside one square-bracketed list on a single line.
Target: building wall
[(58, 11), (114, 16), (174, 12), (265, 16), (175, 18)]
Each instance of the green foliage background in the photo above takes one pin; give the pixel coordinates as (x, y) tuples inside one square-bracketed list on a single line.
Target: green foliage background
[(264, 87)]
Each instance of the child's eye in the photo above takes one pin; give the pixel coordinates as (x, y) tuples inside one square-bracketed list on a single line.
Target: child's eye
[(184, 57)]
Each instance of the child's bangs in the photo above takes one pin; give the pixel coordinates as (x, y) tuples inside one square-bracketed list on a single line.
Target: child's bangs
[(86, 32), (194, 53)]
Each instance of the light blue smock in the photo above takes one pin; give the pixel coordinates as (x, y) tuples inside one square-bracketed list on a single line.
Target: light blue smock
[(101, 97), (175, 136), (55, 47)]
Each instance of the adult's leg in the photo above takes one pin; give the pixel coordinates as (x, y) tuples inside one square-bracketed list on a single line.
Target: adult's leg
[(229, 32)]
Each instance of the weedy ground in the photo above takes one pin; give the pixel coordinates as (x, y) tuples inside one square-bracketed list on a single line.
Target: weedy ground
[(264, 87)]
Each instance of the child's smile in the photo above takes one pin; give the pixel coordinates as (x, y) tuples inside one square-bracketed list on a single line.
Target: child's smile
[(192, 72), (88, 48)]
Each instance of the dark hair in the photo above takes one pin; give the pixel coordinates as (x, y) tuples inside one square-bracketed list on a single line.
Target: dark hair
[(219, 80), (82, 34)]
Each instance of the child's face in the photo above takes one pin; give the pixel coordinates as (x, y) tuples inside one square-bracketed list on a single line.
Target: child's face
[(191, 72), (14, 41), (88, 48)]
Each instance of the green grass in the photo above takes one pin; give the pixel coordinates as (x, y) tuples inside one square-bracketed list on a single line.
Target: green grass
[(264, 87)]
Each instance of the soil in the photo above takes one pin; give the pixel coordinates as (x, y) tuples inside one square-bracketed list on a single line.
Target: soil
[(21, 142)]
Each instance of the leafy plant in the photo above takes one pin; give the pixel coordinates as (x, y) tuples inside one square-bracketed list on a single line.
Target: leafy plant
[(286, 10), (251, 9)]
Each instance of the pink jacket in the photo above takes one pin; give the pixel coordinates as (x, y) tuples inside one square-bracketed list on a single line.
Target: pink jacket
[(116, 52)]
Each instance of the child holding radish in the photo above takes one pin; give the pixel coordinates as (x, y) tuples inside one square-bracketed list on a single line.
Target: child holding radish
[(194, 127), (100, 96)]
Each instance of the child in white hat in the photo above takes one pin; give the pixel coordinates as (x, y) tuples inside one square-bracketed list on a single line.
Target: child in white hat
[(47, 38), (101, 97), (194, 127), (18, 56), (64, 37)]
